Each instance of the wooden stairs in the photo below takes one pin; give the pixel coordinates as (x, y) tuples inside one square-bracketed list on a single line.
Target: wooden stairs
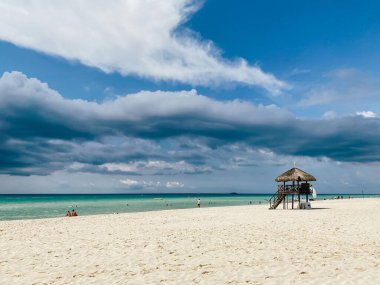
[(277, 198), (285, 190)]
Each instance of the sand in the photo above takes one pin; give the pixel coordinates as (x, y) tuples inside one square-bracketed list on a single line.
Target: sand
[(338, 243)]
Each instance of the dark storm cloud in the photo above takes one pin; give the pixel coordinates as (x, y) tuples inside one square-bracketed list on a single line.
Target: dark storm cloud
[(32, 157), (30, 109), (42, 132)]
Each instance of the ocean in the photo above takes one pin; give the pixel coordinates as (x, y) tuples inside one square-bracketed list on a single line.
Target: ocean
[(36, 206)]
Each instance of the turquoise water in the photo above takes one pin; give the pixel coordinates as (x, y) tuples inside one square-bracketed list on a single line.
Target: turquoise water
[(16, 207)]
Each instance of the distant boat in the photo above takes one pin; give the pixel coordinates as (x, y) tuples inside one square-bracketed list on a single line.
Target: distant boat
[(233, 193)]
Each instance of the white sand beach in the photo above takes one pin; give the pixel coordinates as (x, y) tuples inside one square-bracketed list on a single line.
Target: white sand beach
[(336, 243)]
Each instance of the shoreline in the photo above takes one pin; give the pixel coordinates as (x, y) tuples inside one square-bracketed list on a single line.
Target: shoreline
[(137, 212), (42, 209)]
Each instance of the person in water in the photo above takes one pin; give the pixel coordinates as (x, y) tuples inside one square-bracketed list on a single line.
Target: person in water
[(199, 203), (73, 213), (68, 214)]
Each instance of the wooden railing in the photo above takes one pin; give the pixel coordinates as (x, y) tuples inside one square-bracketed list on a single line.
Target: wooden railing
[(277, 198), (282, 192)]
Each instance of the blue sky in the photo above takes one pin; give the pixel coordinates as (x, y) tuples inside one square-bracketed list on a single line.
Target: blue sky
[(188, 96)]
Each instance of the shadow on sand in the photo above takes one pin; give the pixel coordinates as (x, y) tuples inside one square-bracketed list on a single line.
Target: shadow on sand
[(318, 208)]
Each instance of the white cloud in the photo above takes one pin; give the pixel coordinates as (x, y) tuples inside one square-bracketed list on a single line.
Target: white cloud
[(174, 184), (329, 115), (139, 37), (129, 182), (367, 114), (122, 167)]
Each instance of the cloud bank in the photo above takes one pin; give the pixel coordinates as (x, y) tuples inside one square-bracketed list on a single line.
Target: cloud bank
[(160, 132), (132, 37)]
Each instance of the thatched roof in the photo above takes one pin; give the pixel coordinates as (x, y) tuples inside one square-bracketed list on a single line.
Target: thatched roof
[(293, 174)]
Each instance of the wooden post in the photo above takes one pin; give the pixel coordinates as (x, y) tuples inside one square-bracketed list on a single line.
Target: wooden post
[(287, 202), (299, 195), (292, 201), (299, 200)]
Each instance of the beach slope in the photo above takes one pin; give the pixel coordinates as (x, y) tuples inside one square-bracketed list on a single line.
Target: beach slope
[(338, 242)]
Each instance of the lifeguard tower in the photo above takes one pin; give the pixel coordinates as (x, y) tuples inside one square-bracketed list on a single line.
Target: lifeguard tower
[(294, 182)]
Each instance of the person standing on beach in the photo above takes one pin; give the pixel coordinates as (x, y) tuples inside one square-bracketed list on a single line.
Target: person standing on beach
[(199, 203)]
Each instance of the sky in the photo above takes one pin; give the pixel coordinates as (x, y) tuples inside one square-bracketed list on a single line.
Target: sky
[(180, 96)]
